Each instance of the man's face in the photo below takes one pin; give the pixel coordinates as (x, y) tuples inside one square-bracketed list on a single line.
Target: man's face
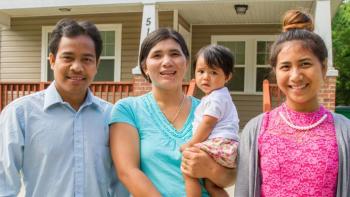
[(74, 66)]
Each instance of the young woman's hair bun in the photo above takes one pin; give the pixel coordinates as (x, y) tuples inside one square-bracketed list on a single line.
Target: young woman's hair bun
[(296, 19)]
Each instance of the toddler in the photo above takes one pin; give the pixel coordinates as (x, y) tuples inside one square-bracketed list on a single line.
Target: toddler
[(215, 126)]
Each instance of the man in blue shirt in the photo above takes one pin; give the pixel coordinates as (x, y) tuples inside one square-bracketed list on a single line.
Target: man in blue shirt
[(59, 138)]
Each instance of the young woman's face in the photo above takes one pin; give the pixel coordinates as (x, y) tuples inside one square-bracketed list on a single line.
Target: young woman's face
[(299, 75), (166, 64), (207, 78)]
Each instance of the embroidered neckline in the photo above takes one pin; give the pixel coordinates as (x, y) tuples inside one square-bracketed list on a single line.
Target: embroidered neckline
[(164, 124)]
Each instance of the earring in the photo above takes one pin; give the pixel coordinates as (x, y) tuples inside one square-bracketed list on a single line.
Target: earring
[(148, 78)]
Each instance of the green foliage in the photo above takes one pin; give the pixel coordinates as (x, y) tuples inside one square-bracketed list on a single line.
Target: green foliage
[(341, 47)]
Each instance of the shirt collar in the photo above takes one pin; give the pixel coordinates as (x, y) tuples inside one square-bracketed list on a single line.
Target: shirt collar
[(52, 97)]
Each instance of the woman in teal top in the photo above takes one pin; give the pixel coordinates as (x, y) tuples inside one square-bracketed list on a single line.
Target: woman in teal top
[(146, 132)]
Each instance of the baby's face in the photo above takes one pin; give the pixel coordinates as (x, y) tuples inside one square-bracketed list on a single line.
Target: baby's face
[(209, 78)]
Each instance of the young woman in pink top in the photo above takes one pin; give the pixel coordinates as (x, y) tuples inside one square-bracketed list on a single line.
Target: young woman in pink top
[(299, 148)]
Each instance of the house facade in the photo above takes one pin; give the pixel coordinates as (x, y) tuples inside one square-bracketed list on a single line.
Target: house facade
[(26, 26)]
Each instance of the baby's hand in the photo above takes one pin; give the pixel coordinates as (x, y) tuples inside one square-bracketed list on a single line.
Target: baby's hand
[(184, 146)]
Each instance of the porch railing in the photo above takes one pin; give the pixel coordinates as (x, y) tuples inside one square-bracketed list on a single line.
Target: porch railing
[(272, 96), (109, 91)]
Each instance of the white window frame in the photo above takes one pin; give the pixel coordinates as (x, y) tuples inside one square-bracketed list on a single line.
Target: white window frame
[(117, 28), (188, 39), (256, 66), (251, 43)]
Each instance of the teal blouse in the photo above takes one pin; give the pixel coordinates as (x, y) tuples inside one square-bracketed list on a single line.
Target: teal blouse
[(160, 142)]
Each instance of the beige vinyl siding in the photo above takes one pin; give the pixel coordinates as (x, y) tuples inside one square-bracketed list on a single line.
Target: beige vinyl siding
[(166, 19), (21, 45), (248, 106)]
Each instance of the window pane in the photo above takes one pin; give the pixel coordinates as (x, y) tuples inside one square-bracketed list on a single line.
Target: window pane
[(238, 50), (239, 59), (105, 71), (237, 82), (263, 52), (108, 38), (261, 59), (49, 72), (109, 49), (261, 74), (261, 47)]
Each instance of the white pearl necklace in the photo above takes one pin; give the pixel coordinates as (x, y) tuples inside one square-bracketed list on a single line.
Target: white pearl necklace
[(303, 128)]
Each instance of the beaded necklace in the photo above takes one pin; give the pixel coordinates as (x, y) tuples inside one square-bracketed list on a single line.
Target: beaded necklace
[(301, 130)]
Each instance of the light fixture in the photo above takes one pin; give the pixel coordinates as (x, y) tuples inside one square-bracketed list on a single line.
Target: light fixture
[(241, 9), (65, 9)]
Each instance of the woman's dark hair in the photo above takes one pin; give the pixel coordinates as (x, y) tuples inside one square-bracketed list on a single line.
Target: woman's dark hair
[(71, 28), (216, 56), (153, 39), (298, 26)]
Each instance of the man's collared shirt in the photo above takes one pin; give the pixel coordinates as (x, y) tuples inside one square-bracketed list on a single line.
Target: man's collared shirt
[(60, 151)]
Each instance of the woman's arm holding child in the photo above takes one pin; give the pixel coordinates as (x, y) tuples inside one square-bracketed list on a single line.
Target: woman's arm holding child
[(197, 163), (203, 131)]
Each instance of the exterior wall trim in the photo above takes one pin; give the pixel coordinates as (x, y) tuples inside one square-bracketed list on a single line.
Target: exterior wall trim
[(149, 24), (323, 28), (5, 21)]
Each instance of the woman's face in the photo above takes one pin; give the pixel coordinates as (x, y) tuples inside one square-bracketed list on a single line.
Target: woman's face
[(299, 75), (166, 64)]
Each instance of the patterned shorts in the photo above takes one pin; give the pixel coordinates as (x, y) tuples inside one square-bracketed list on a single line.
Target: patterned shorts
[(222, 150)]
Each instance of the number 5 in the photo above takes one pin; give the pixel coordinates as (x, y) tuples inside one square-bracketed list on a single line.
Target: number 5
[(148, 21)]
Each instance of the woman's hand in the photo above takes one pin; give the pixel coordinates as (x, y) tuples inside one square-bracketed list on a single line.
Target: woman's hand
[(185, 146), (198, 164)]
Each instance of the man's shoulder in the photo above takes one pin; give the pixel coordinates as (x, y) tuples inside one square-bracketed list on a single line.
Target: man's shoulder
[(30, 99), (23, 105), (103, 104)]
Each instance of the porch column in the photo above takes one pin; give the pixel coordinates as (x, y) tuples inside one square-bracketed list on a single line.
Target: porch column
[(323, 28), (149, 24)]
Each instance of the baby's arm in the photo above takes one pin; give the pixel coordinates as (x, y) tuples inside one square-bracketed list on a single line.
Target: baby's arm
[(203, 131)]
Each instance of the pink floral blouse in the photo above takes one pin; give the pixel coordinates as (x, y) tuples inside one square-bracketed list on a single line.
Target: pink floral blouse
[(298, 163)]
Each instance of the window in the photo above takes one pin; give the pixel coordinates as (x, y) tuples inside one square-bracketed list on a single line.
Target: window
[(249, 72), (238, 49), (110, 60), (263, 68)]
